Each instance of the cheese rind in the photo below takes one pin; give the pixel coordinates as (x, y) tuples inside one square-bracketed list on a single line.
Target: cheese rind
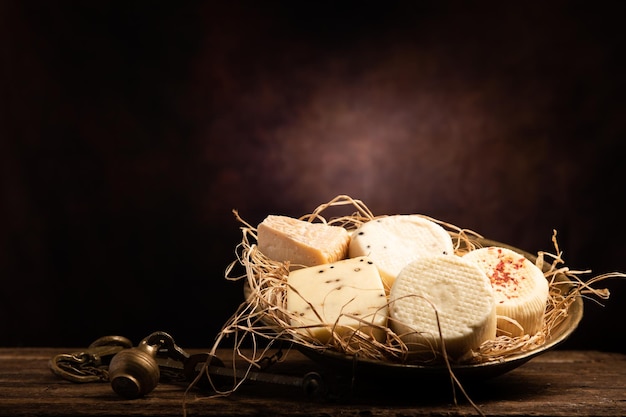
[(343, 297), (394, 241), (301, 243), (521, 290), (443, 292)]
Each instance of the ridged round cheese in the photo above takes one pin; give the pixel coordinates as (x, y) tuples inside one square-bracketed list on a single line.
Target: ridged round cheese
[(394, 241), (520, 288), (460, 293)]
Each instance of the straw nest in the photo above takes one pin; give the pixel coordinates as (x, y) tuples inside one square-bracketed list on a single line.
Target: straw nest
[(263, 314)]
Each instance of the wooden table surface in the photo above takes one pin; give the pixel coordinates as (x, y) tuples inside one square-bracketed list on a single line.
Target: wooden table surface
[(557, 383)]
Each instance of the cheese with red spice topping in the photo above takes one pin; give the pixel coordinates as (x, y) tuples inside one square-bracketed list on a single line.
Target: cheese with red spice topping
[(520, 288)]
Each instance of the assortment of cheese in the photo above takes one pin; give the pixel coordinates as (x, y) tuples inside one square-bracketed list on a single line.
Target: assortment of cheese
[(401, 273)]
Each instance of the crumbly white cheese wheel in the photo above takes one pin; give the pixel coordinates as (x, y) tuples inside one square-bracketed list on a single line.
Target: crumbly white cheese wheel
[(460, 293), (394, 241), (345, 297), (521, 289), (285, 239)]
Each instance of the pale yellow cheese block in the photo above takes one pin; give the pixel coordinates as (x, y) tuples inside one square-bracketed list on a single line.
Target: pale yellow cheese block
[(394, 241), (343, 297), (462, 297), (521, 289), (285, 239)]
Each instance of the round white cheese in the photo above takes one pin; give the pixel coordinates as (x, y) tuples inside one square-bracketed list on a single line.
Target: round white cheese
[(520, 288), (394, 241), (447, 293)]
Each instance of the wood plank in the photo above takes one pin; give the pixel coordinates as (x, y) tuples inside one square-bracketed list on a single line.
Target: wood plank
[(558, 383)]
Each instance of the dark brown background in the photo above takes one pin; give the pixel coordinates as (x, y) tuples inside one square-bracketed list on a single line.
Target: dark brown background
[(130, 130)]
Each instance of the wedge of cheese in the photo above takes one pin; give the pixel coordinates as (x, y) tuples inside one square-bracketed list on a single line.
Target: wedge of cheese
[(345, 298), (521, 290), (285, 239), (443, 292), (394, 241)]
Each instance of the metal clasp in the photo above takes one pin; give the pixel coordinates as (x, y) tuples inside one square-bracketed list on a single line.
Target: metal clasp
[(91, 364)]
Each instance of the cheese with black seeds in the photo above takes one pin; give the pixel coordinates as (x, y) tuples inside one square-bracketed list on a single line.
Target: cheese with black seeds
[(343, 297)]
